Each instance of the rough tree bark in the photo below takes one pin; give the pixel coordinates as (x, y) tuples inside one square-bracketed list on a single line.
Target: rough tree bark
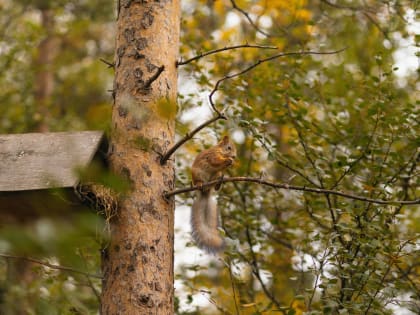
[(138, 263)]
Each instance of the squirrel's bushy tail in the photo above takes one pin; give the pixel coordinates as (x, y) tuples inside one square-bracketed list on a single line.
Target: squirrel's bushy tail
[(204, 223)]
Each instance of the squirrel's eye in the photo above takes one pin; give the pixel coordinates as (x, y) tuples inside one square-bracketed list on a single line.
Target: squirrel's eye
[(229, 147)]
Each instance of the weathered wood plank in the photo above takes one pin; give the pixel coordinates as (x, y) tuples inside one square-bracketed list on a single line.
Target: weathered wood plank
[(45, 160)]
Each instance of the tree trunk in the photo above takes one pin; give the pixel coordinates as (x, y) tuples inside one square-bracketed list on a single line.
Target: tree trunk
[(138, 263), (44, 80)]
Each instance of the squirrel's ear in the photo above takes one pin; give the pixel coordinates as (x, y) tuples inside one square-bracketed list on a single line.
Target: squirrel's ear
[(225, 139)]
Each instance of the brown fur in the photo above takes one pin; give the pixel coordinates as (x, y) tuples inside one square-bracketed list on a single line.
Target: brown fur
[(208, 166)]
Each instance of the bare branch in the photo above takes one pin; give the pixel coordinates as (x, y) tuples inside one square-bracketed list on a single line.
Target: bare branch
[(188, 136), (293, 187), (256, 270), (282, 163), (366, 11), (181, 63), (303, 142), (228, 265), (318, 273), (256, 64), (406, 274), (220, 115), (278, 240), (108, 63), (47, 264), (382, 284), (90, 283), (246, 14), (376, 24), (313, 217), (154, 77)]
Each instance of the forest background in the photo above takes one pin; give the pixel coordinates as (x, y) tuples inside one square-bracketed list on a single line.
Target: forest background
[(339, 112)]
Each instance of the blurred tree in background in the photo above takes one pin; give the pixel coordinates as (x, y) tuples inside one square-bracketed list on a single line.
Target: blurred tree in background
[(345, 121), (52, 80)]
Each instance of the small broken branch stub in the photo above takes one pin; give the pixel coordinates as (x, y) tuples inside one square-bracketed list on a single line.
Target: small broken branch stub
[(154, 77)]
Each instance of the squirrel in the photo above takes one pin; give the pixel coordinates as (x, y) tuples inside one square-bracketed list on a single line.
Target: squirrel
[(208, 166)]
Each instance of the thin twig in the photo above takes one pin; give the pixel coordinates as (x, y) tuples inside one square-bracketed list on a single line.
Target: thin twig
[(376, 24), (108, 63), (246, 14), (364, 10), (318, 277), (293, 187), (181, 63), (90, 283), (303, 142), (256, 270), (382, 284), (149, 82), (406, 275), (165, 157), (406, 181), (229, 267), (284, 164), (220, 115), (313, 216), (277, 240), (47, 264), (307, 154), (256, 64)]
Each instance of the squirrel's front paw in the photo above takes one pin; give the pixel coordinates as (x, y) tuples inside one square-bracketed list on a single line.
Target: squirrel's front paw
[(230, 161)]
